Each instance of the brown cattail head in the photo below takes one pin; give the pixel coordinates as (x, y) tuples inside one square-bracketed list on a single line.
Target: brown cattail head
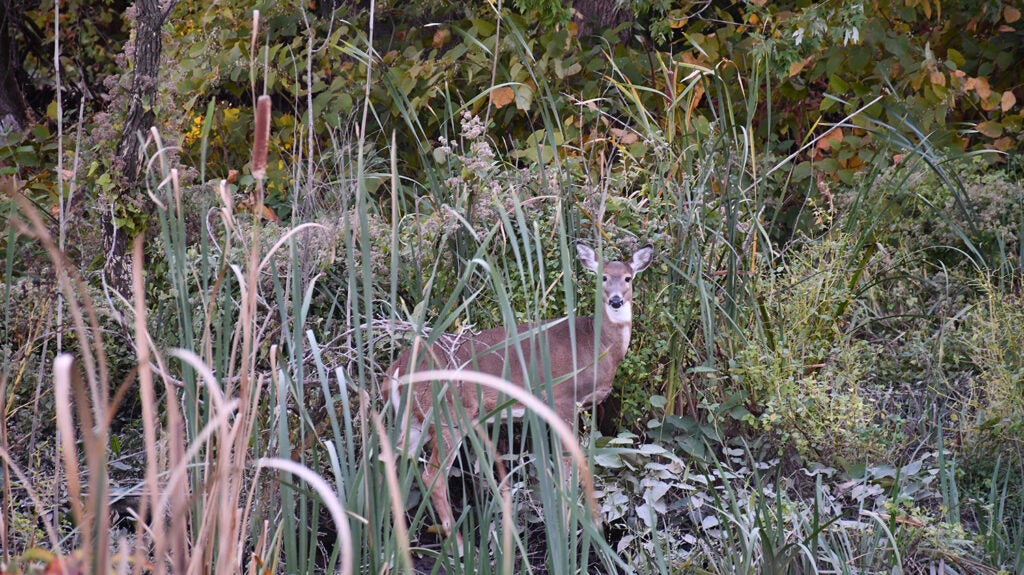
[(259, 145)]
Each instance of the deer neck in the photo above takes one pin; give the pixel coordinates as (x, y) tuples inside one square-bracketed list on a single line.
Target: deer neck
[(616, 328)]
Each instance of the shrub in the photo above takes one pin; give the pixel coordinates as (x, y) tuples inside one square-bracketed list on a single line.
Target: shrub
[(803, 371)]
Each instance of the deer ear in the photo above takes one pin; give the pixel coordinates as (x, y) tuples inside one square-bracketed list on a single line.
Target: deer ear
[(642, 258), (587, 256)]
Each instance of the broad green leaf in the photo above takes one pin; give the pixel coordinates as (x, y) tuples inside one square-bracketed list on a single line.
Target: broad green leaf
[(991, 128)]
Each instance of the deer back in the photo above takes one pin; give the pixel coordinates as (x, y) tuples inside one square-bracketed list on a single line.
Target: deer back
[(547, 350)]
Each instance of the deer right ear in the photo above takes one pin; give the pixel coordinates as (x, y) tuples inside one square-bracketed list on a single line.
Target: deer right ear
[(587, 256)]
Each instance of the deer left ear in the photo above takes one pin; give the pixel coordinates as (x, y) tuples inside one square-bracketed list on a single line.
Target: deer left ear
[(642, 258)]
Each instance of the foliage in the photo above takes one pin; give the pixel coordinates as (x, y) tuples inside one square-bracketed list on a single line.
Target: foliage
[(962, 207), (823, 372), (994, 341), (803, 373), (731, 512)]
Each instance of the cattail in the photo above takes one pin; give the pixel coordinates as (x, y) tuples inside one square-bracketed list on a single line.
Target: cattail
[(259, 146)]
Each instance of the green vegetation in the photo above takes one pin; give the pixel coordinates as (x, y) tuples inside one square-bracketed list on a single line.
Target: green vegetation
[(825, 371)]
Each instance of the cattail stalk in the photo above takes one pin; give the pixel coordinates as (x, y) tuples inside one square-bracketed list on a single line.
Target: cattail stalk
[(261, 137)]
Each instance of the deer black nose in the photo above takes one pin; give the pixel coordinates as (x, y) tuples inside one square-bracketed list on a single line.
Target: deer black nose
[(616, 302)]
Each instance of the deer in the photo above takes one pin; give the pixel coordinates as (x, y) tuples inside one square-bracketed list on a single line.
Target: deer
[(581, 375)]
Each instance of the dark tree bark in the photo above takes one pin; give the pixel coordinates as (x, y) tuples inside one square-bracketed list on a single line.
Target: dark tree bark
[(150, 16), (12, 99), (598, 15)]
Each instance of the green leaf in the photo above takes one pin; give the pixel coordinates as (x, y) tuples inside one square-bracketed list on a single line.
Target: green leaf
[(651, 449), (837, 85), (859, 58), (610, 460), (991, 128), (802, 171), (956, 57)]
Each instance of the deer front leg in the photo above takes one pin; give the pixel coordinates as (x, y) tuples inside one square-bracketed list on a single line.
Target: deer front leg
[(435, 478)]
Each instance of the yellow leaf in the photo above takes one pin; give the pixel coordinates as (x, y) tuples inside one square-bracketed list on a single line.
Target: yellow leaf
[(1011, 14), (677, 18), (753, 19), (938, 78), (1008, 101), (796, 67), (991, 129), (502, 96)]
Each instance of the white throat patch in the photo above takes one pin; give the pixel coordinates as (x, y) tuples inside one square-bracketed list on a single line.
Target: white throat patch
[(622, 315)]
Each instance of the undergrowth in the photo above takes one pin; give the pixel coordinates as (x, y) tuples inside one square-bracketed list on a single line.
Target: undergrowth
[(828, 387)]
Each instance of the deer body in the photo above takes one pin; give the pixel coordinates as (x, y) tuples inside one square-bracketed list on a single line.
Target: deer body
[(577, 379)]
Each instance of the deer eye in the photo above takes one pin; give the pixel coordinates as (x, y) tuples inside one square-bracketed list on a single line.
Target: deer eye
[(628, 279), (604, 278)]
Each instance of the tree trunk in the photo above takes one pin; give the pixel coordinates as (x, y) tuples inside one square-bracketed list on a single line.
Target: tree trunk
[(596, 16), (149, 18), (12, 100)]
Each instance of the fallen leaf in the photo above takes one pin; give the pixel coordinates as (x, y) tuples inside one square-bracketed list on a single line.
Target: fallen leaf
[(270, 214), (827, 142), (502, 96), (441, 37), (1011, 14), (266, 212), (1004, 144)]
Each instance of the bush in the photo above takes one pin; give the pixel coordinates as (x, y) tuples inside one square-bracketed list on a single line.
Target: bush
[(803, 371), (993, 335)]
